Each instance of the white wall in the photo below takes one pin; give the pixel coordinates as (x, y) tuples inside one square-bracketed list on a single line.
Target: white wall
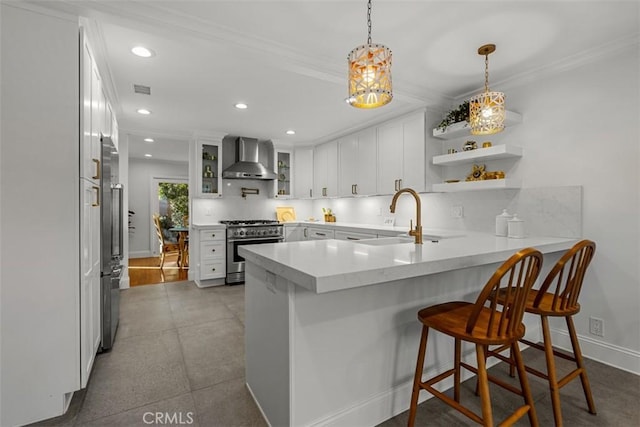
[(581, 127), (141, 174)]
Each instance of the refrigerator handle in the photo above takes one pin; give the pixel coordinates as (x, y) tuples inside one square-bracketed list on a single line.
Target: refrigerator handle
[(116, 246)]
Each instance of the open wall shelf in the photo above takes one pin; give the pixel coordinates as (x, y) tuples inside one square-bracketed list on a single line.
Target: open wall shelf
[(480, 154)]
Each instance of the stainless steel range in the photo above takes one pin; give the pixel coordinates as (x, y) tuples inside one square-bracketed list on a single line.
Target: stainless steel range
[(247, 232)]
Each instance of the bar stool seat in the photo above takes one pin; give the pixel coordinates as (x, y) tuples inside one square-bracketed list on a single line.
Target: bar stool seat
[(483, 326)]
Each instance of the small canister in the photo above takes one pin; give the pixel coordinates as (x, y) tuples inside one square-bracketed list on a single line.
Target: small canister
[(516, 228), (501, 223)]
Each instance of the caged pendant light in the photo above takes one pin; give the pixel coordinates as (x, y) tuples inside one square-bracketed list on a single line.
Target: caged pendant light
[(369, 73), (486, 110)]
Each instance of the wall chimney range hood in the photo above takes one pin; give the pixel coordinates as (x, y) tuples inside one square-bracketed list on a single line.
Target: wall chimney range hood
[(249, 154)]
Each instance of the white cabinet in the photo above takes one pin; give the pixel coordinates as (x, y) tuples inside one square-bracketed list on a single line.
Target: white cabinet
[(325, 170), (401, 154), (209, 168), (303, 173), (352, 235), (96, 119), (318, 233), (357, 164), (42, 105), (210, 243), (283, 184), (90, 321)]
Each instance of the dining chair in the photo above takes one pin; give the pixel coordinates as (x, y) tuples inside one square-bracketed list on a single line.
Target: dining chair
[(165, 247)]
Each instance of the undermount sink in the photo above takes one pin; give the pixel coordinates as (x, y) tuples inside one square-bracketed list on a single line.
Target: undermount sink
[(387, 241)]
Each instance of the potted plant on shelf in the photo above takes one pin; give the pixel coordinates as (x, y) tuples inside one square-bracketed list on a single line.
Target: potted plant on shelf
[(458, 114)]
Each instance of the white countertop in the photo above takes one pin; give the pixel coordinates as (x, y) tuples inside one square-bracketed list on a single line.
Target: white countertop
[(332, 265)]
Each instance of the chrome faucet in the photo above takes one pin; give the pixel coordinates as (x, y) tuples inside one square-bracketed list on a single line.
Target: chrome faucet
[(417, 232)]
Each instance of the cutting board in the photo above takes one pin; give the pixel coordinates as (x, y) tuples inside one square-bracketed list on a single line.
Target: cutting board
[(285, 213)]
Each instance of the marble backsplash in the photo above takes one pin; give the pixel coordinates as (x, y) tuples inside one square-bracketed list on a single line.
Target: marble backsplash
[(547, 211)]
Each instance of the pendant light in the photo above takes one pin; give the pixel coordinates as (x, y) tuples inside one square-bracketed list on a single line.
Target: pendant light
[(486, 110), (369, 73)]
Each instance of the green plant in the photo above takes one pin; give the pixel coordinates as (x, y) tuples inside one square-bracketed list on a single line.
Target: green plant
[(178, 197), (459, 114)]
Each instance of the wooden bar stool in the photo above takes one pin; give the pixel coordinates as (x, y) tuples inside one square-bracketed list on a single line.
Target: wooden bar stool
[(558, 297), (483, 326)]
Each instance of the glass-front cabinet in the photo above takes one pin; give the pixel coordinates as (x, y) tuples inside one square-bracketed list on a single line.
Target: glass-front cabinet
[(209, 170), (283, 182)]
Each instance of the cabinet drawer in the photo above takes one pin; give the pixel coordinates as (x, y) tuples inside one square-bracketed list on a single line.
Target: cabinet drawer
[(212, 269), (319, 233), (212, 249), (347, 235), (213, 234)]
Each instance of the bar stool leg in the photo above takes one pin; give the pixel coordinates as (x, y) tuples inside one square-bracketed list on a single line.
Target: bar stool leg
[(418, 376), (524, 383), (483, 386), (551, 372), (583, 371), (456, 374)]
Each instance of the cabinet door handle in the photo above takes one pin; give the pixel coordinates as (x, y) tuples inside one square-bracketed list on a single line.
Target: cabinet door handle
[(320, 234), (304, 233), (213, 250), (324, 191), (352, 238), (97, 190), (399, 184), (355, 189), (395, 185), (310, 193), (213, 235), (97, 174), (213, 269)]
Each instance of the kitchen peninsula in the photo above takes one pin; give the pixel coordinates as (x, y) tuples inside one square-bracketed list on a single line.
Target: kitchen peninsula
[(331, 330)]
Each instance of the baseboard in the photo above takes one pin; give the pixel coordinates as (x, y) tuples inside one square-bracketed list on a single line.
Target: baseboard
[(609, 354), (141, 254)]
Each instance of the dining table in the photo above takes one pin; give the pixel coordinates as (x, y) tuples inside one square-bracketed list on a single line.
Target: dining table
[(183, 241)]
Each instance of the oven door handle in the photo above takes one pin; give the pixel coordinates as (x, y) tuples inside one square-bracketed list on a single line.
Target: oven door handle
[(259, 239)]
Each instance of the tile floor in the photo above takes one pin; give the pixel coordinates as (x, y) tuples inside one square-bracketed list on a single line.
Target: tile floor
[(180, 350)]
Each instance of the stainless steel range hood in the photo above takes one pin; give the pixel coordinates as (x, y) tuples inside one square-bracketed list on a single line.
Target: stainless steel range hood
[(249, 152)]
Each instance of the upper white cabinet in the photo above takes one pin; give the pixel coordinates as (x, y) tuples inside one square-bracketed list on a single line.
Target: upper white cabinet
[(209, 168), (357, 164), (325, 170), (283, 184), (303, 173), (401, 154)]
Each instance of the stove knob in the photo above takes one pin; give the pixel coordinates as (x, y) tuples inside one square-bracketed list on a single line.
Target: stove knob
[(242, 232), (235, 233)]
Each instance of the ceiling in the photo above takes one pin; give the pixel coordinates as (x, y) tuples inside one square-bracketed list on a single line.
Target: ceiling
[(287, 59)]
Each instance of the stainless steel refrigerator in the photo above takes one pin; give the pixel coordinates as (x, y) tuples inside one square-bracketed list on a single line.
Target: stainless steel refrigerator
[(111, 237)]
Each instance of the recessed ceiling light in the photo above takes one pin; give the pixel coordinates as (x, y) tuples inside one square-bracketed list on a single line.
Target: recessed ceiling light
[(142, 52), (148, 155), (148, 140), (144, 111), (291, 132), (241, 106)]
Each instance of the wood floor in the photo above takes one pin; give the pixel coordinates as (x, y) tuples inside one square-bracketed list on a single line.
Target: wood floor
[(146, 271)]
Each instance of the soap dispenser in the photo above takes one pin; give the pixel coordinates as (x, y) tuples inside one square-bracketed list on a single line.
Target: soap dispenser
[(502, 226)]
